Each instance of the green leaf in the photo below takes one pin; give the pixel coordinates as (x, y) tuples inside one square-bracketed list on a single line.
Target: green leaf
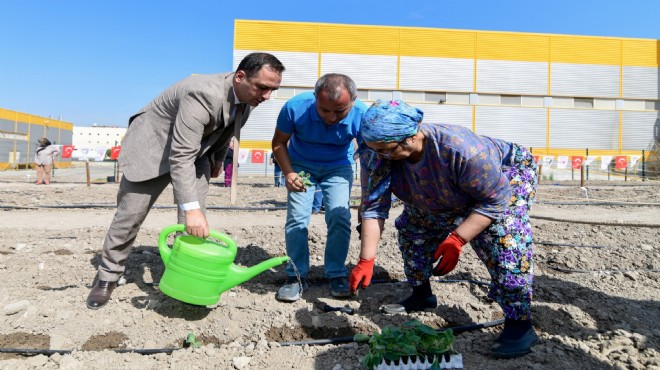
[(359, 337), (410, 339)]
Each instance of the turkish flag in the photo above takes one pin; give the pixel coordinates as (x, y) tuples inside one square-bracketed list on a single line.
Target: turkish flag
[(536, 159), (576, 162), (621, 162), (114, 152), (257, 156), (67, 150)]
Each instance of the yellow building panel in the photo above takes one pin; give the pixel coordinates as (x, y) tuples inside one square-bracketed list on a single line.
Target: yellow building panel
[(512, 46), (427, 42), (256, 144), (9, 115), (641, 53), (276, 36), (585, 50), (349, 39)]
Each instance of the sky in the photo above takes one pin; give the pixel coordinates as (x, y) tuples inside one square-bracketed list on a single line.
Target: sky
[(98, 62)]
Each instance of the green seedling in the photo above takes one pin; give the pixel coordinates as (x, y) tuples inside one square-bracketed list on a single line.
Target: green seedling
[(412, 339), (191, 341), (304, 178)]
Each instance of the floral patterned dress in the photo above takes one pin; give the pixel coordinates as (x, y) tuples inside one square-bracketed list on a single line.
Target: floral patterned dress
[(461, 172)]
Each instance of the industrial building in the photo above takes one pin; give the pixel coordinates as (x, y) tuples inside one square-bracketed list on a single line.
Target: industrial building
[(560, 95), (19, 133)]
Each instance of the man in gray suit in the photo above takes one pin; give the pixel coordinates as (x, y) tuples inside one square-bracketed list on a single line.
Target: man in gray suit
[(181, 137)]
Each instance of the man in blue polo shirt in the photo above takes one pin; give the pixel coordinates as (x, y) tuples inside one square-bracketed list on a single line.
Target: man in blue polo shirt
[(320, 128)]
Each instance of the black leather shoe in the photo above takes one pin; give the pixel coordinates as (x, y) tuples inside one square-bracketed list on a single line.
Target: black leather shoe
[(100, 294), (509, 348)]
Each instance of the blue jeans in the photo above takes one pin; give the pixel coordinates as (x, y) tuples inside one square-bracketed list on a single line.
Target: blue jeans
[(335, 183), (277, 174)]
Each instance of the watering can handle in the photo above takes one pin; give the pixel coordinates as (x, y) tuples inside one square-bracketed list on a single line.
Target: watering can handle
[(166, 251)]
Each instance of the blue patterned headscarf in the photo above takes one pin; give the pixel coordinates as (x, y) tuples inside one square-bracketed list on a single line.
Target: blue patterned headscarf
[(390, 121)]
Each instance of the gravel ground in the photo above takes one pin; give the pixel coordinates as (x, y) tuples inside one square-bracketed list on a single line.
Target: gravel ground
[(597, 286)]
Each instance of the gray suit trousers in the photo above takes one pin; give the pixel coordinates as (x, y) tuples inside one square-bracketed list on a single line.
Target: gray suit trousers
[(134, 201)]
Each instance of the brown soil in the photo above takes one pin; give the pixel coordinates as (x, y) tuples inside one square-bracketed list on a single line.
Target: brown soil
[(595, 307)]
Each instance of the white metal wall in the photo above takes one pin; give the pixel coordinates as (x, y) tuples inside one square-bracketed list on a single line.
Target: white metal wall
[(301, 68), (262, 121), (525, 126), (570, 129), (584, 80), (638, 129), (368, 71), (641, 82), (436, 74), (502, 77), (453, 114)]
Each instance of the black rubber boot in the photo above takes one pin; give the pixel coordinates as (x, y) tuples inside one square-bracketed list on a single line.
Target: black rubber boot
[(422, 298), (517, 339)]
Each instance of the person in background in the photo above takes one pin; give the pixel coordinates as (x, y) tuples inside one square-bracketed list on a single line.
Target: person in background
[(277, 171), (319, 128), (43, 160), (181, 138), (457, 187), (317, 204), (228, 163)]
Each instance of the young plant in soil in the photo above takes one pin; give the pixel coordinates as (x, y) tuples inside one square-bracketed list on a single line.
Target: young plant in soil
[(413, 339)]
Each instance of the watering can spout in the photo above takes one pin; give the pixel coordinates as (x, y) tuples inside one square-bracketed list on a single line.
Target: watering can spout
[(238, 275)]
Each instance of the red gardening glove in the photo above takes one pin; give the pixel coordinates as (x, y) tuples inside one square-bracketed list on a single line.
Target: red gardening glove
[(449, 250), (363, 271)]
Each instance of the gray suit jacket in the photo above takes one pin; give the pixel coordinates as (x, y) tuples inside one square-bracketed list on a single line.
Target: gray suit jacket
[(187, 121)]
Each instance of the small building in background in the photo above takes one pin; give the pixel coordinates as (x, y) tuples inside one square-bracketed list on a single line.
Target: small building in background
[(19, 133)]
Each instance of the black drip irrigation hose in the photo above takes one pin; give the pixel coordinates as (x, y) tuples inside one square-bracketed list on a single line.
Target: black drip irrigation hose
[(567, 270), (456, 330), (571, 245), (623, 224), (50, 352)]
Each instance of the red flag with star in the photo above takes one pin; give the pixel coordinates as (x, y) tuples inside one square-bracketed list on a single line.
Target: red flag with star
[(67, 150), (258, 156), (114, 152)]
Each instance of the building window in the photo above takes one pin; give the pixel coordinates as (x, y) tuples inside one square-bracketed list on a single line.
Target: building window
[(532, 101), (285, 92), (562, 102), (583, 103), (634, 104), (652, 105), (385, 95), (457, 98), (510, 100), (488, 99), (435, 97), (412, 96), (605, 104)]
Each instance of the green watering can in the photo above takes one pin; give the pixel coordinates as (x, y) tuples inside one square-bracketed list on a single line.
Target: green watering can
[(198, 270)]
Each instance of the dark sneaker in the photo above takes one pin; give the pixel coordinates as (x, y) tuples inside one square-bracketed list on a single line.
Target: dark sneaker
[(292, 290), (412, 304), (339, 287)]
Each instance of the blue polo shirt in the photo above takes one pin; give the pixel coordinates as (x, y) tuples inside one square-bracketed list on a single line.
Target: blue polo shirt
[(312, 140)]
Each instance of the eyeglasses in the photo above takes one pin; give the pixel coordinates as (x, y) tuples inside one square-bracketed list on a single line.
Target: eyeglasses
[(387, 153)]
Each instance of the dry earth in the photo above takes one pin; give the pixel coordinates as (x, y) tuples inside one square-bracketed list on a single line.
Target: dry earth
[(597, 286)]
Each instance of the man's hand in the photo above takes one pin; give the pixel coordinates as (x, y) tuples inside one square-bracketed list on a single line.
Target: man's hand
[(363, 271), (449, 250), (215, 171), (294, 183), (196, 223)]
